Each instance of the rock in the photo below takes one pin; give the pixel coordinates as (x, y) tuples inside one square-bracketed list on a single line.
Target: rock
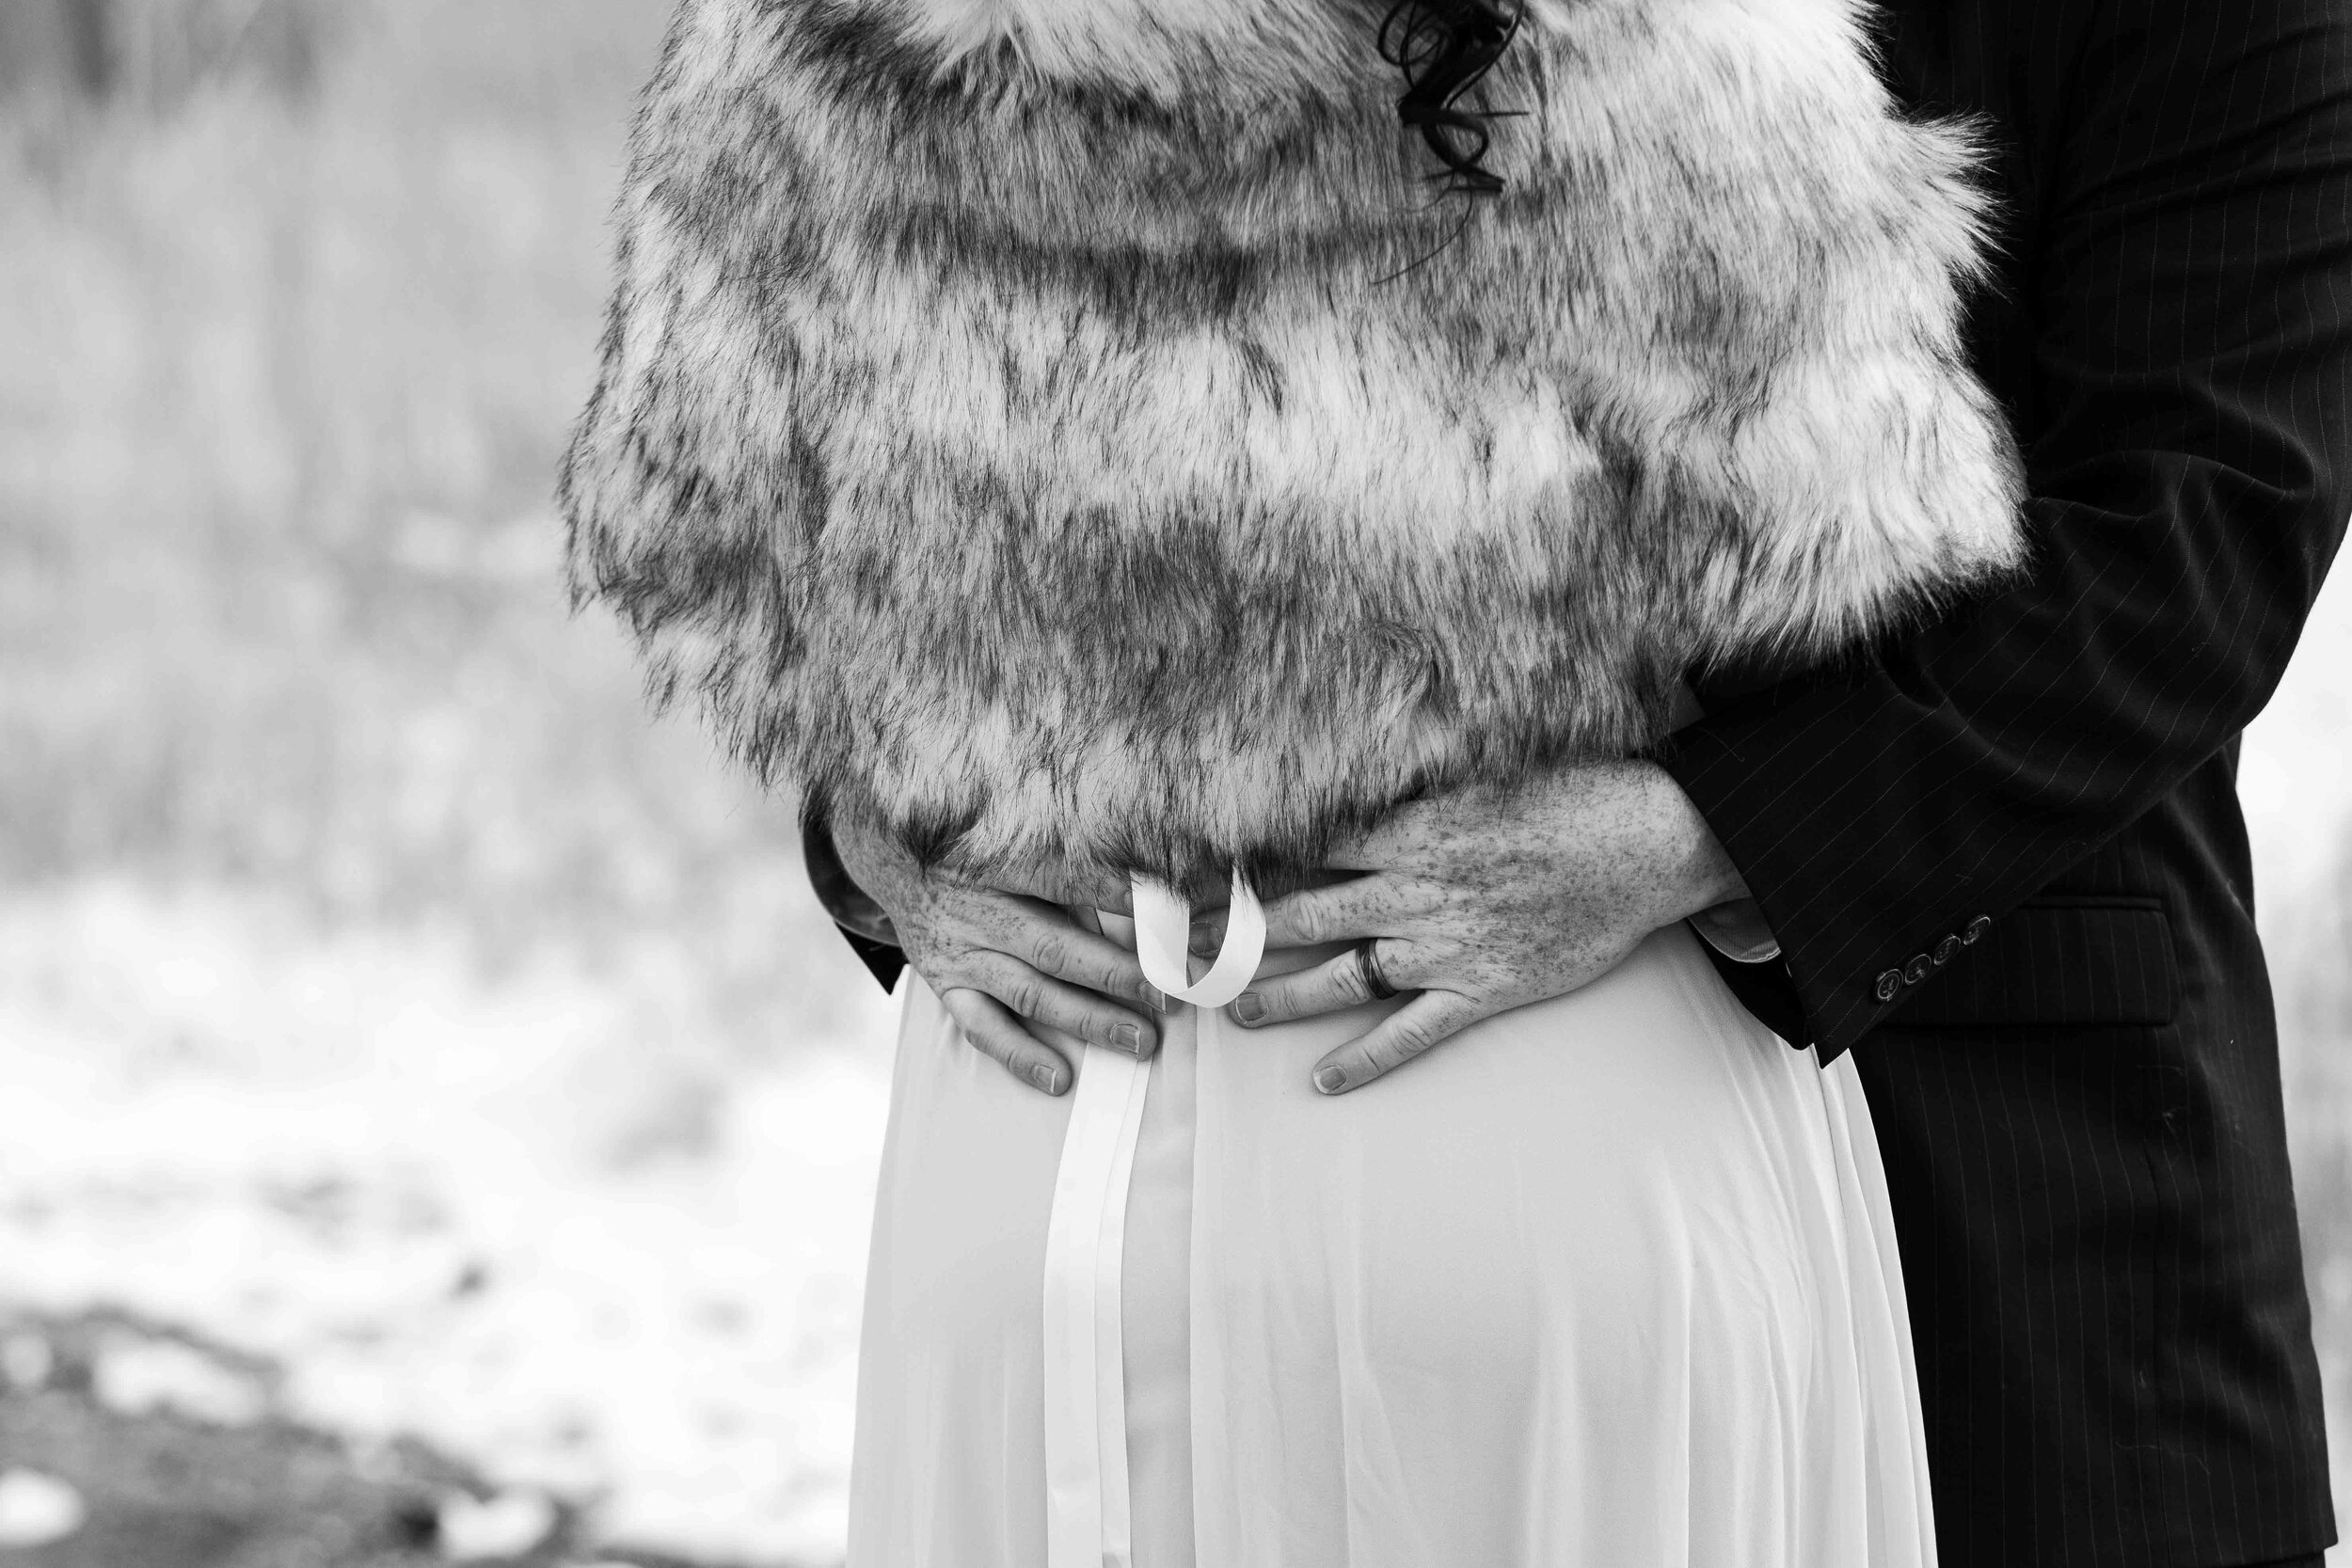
[(26, 1359), (137, 1376), (37, 1509), (508, 1524)]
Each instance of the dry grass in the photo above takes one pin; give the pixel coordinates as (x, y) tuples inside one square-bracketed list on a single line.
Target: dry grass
[(284, 377)]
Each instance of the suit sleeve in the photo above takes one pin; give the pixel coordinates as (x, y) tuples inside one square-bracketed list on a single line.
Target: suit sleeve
[(2190, 403), (863, 923)]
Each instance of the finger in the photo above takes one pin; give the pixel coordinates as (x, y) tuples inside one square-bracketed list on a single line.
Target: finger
[(1366, 906), (997, 1033), (1116, 897), (1090, 1016), (1326, 987), (1055, 945), (1412, 1029)]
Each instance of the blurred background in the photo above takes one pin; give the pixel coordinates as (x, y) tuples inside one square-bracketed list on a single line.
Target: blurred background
[(436, 1122)]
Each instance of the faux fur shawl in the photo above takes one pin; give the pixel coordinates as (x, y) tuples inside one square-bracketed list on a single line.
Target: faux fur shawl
[(1003, 420)]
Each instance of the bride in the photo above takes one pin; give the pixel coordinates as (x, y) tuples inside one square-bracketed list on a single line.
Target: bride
[(1062, 441)]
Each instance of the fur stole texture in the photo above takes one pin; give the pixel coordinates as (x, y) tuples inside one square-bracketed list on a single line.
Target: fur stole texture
[(1003, 423)]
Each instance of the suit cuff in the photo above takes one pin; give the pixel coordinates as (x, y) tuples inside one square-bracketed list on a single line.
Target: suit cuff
[(863, 923), (885, 962)]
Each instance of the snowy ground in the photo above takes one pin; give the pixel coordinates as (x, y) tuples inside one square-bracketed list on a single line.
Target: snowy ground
[(484, 1217)]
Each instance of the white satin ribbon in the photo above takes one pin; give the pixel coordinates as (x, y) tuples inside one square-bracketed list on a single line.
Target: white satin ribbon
[(1089, 1522), (1087, 1516), (1163, 941)]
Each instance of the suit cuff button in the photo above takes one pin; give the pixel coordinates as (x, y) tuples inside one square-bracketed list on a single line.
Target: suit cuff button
[(1918, 969), (1945, 951), (1889, 983), (1977, 929)]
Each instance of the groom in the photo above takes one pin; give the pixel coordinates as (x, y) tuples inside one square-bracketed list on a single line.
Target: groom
[(2003, 863), (2006, 866)]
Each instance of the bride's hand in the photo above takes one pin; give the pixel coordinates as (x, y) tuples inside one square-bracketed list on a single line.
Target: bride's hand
[(996, 955), (1484, 903)]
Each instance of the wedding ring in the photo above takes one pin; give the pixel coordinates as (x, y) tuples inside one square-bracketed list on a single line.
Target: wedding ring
[(1369, 967)]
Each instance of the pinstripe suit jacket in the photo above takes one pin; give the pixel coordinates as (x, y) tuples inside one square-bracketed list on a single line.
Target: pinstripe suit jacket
[(2005, 859)]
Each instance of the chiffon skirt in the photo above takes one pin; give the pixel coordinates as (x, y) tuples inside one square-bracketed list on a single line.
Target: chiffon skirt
[(1603, 1282)]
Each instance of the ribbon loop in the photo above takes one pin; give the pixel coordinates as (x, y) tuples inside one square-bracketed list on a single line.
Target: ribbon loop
[(1163, 941)]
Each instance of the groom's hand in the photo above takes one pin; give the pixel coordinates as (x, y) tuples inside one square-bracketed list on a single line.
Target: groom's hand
[(998, 955), (1482, 902)]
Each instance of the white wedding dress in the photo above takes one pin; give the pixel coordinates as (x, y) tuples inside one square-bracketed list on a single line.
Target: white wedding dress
[(1603, 1282)]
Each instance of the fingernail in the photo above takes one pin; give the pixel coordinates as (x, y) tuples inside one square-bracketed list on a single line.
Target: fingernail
[(1047, 1078), (1249, 1006), (1157, 997), (1332, 1079), (1128, 1039)]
